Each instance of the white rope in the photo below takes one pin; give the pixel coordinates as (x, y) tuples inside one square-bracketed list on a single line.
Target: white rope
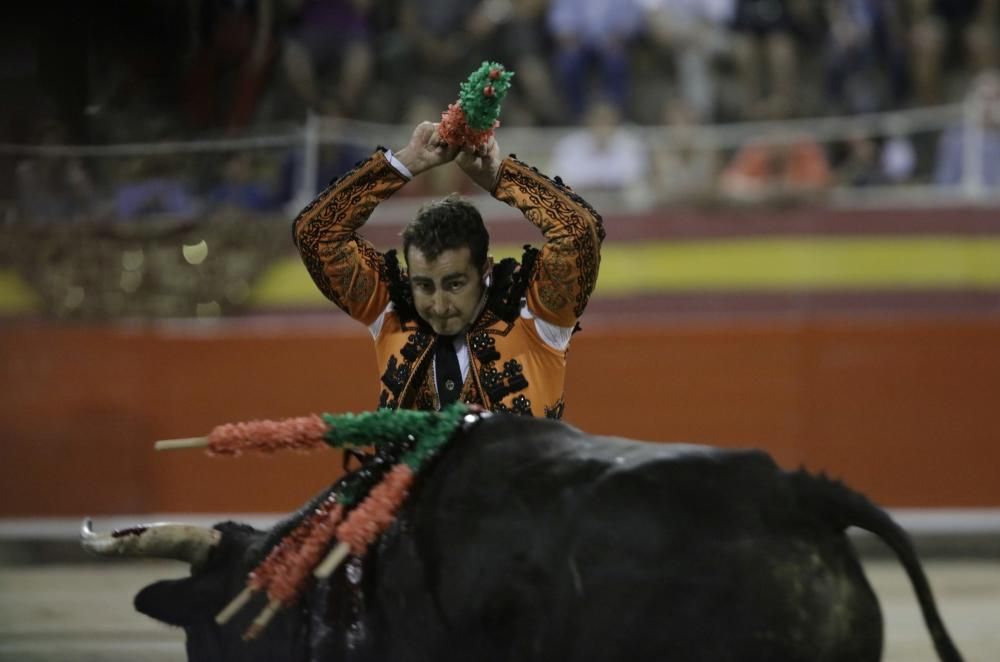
[(708, 136)]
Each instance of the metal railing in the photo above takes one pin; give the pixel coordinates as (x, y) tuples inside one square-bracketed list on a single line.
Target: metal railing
[(300, 152)]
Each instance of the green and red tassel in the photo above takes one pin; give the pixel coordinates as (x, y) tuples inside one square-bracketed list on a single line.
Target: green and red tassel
[(354, 515), (470, 121)]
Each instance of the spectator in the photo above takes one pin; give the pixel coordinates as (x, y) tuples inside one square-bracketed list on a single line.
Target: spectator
[(964, 32), (232, 51), (766, 56), (152, 189), (694, 33), (438, 41), (333, 159), (969, 153), (329, 39), (898, 158), (603, 155), (683, 170), (523, 47), (864, 58), (593, 31), (860, 166), (54, 188), (239, 188), (780, 168)]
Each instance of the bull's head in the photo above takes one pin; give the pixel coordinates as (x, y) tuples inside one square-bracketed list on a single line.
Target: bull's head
[(220, 558), (185, 601)]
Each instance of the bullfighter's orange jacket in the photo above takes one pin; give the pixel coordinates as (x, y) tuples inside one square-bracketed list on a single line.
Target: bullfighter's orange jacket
[(512, 367)]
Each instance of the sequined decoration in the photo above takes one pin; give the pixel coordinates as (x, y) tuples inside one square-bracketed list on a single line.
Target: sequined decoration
[(356, 633)]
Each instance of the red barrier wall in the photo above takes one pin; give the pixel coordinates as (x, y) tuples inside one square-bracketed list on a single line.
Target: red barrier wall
[(908, 411)]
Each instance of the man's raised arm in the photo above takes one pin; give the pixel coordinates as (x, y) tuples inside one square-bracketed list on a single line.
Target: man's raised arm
[(566, 269), (347, 268)]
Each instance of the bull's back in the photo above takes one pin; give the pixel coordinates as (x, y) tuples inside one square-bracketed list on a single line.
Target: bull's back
[(586, 542)]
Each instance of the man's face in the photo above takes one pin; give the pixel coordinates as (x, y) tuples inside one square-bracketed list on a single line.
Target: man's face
[(447, 290)]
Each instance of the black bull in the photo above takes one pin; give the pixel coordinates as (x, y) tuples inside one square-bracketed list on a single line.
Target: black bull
[(530, 540)]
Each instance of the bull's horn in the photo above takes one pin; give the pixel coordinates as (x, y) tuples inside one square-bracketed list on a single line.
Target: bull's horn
[(182, 542)]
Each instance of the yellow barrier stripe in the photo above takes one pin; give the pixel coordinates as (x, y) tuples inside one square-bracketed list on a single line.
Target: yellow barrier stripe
[(16, 298), (755, 264), (814, 263), (286, 283)]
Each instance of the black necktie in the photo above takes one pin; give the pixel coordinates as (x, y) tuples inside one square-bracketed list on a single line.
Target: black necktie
[(447, 371)]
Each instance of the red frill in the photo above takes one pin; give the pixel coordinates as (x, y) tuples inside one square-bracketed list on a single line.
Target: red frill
[(456, 131), (377, 511), (303, 433)]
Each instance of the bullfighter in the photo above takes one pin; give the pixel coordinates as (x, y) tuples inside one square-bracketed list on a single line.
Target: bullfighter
[(453, 325)]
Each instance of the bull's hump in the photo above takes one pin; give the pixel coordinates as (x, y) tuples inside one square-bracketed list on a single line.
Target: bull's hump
[(533, 440)]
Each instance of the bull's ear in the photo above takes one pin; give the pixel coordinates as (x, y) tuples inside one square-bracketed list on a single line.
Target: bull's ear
[(182, 602)]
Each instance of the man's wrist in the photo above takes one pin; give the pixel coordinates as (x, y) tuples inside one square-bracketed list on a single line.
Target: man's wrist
[(484, 178), (398, 164), (494, 177), (487, 179), (408, 161)]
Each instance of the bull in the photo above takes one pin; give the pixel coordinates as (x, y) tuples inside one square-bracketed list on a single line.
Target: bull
[(530, 540)]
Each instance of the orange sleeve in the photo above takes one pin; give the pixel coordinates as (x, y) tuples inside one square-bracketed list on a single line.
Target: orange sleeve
[(346, 268), (566, 269)]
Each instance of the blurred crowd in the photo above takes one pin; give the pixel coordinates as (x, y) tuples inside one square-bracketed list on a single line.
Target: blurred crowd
[(168, 70)]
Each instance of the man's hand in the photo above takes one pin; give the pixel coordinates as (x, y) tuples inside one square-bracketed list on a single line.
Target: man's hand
[(481, 163), (425, 150)]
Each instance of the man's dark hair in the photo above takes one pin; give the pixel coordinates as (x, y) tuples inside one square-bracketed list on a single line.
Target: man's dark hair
[(448, 224)]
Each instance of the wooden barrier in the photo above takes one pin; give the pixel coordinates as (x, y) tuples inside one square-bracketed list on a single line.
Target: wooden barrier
[(907, 411)]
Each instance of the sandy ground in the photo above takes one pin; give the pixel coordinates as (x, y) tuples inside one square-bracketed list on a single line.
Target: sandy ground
[(84, 612)]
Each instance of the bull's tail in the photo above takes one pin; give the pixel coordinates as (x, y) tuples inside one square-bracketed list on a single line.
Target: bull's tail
[(847, 508)]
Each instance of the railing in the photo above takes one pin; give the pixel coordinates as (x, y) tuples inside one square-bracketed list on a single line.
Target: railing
[(296, 156)]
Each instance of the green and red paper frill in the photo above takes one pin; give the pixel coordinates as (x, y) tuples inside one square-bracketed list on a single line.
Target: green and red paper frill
[(470, 121), (364, 504)]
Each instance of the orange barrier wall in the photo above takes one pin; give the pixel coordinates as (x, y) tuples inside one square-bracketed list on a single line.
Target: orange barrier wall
[(907, 411)]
